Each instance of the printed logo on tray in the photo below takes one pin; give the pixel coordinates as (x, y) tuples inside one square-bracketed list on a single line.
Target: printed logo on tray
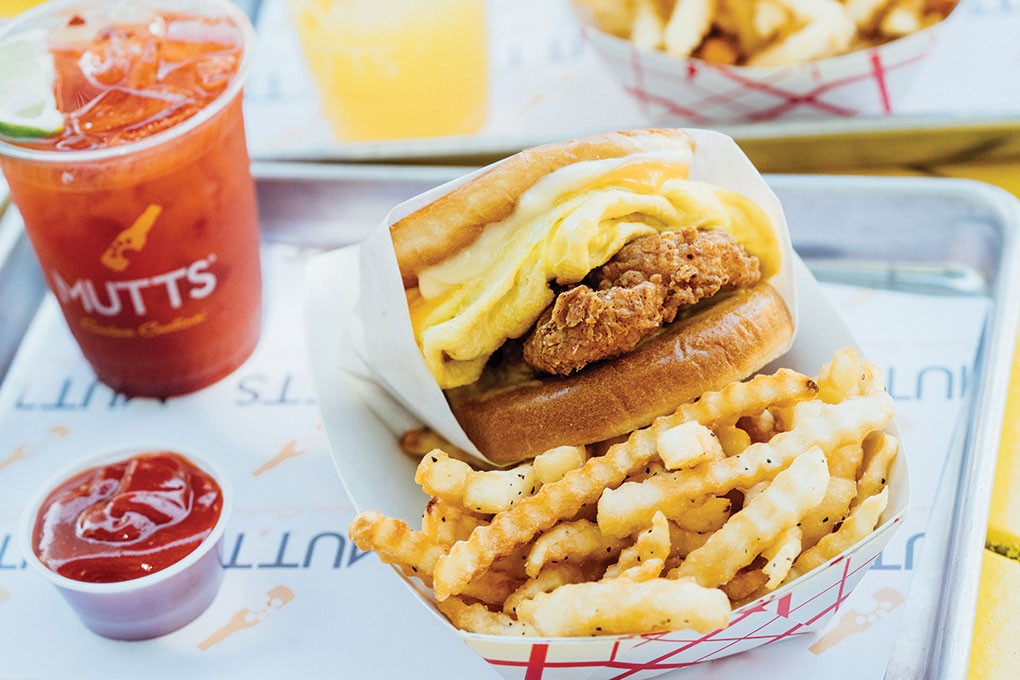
[(251, 550), (277, 598), (83, 392), (855, 621)]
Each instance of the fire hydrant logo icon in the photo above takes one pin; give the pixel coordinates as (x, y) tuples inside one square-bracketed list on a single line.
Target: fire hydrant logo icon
[(131, 239)]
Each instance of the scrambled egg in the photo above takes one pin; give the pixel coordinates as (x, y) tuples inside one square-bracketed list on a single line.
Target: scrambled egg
[(467, 306)]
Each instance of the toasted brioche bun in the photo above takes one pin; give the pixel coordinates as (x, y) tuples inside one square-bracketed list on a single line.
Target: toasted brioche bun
[(718, 344), (725, 339), (453, 221)]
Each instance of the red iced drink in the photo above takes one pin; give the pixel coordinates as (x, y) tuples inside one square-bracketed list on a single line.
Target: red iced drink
[(142, 211)]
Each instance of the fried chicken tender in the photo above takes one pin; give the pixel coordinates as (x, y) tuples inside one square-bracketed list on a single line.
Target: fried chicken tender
[(642, 287)]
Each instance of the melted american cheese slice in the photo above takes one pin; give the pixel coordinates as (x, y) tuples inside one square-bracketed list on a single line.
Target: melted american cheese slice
[(569, 223)]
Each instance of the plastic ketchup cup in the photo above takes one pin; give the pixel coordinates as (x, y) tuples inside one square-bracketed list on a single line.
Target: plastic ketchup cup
[(131, 538), (142, 213)]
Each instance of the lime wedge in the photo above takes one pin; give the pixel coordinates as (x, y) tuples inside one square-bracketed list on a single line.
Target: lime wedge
[(28, 108)]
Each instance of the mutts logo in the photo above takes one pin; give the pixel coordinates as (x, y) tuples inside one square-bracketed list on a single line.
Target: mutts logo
[(131, 239), (112, 297), (139, 295)]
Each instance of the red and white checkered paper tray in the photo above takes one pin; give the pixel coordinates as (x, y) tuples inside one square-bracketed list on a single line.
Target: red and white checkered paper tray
[(671, 89), (365, 410)]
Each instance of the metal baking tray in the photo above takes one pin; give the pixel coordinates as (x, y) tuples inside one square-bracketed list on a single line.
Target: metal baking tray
[(909, 140), (966, 245)]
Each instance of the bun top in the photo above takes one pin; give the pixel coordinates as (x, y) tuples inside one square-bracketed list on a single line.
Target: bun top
[(479, 262), (455, 220)]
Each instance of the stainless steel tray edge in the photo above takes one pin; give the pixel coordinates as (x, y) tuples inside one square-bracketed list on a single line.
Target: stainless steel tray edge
[(946, 653), (961, 592)]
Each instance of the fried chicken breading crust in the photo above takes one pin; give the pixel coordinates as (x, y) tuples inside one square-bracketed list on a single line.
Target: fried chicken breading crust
[(642, 287)]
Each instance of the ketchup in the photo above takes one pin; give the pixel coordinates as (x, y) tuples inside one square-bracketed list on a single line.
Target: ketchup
[(128, 519)]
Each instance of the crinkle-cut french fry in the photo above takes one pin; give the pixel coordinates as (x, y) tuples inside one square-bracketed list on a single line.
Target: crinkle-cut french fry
[(865, 13), (732, 439), (620, 605), (861, 522), (822, 519), (651, 469), (416, 443), (643, 571), (415, 554), (563, 499), (707, 515), (477, 618), (496, 490), (805, 410), (779, 557), (652, 543), (736, 17), (718, 49), (551, 465), (827, 30), (754, 491), (936, 10), (576, 541), (513, 563), (845, 462), (628, 508), (688, 444), (788, 498), (687, 26), (903, 18), (445, 524), (770, 17), (485, 492), (537, 513), (647, 27), (602, 448), (880, 451), (550, 578), (783, 416), (612, 16), (848, 374), (588, 511), (684, 541), (492, 587), (443, 477), (736, 400), (760, 427), (744, 583)]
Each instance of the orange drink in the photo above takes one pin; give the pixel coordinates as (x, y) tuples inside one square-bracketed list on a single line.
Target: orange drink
[(9, 8), (388, 69), (142, 209)]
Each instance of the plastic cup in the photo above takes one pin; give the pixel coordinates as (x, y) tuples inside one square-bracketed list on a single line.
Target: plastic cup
[(151, 246), (152, 605), (388, 69)]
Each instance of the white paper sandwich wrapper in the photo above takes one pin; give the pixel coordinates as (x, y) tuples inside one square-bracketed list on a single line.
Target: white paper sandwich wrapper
[(685, 90), (363, 421), (387, 344)]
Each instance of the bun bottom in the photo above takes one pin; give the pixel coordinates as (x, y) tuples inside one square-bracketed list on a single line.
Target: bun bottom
[(726, 341)]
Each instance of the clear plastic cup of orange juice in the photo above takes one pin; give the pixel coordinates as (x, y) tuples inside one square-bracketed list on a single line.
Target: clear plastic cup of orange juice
[(391, 69)]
